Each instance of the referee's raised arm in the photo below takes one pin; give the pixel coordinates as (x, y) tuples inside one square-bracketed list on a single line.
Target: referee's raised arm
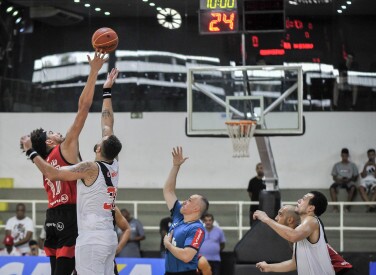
[(170, 185)]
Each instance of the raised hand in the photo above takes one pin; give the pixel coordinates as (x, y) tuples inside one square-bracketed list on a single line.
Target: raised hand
[(25, 143), (97, 62), (177, 156), (111, 77)]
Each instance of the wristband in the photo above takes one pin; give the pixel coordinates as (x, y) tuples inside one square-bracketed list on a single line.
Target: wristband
[(106, 93), (31, 154)]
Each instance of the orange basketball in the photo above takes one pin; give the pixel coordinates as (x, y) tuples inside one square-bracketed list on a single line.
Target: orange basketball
[(105, 39)]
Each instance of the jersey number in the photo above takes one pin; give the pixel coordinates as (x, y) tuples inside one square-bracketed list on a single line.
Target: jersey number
[(55, 187), (111, 191)]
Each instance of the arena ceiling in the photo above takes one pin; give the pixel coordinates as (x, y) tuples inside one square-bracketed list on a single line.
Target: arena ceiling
[(142, 8)]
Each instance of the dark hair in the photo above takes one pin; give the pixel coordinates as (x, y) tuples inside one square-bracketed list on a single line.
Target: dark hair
[(111, 147), (38, 141), (208, 215), (319, 201), (345, 151), (371, 151), (205, 204), (33, 242)]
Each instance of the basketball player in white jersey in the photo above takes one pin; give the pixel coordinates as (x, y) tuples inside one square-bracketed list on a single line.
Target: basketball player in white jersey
[(96, 193), (310, 256)]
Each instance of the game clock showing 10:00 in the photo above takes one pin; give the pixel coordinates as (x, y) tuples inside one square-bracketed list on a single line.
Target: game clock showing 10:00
[(218, 16)]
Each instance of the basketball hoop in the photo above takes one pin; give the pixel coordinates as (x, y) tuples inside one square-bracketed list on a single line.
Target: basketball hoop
[(241, 132)]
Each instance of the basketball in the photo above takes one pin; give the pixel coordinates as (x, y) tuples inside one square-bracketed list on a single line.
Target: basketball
[(105, 39)]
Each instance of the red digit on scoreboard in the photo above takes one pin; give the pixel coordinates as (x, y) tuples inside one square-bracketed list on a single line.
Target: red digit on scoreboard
[(213, 24)]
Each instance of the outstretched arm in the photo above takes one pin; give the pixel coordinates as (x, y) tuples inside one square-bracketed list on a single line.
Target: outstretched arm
[(107, 120), (285, 266), (170, 185), (69, 147), (122, 223), (304, 230), (88, 171)]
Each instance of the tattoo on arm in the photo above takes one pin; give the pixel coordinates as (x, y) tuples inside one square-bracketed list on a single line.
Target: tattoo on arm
[(106, 114), (82, 167)]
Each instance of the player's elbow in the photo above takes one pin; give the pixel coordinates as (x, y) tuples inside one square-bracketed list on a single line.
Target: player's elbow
[(187, 259)]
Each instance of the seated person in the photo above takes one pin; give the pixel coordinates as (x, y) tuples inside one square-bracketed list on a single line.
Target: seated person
[(368, 180), (345, 173), (35, 250), (10, 249)]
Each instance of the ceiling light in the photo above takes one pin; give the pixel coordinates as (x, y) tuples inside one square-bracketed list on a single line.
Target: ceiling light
[(169, 18), (107, 13), (87, 5), (15, 13), (144, 0), (293, 2), (152, 4), (339, 11), (18, 20), (348, 2), (97, 9), (9, 9), (77, 1), (343, 7), (159, 8)]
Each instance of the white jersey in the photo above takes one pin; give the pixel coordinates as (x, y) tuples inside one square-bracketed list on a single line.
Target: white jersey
[(95, 203), (313, 259)]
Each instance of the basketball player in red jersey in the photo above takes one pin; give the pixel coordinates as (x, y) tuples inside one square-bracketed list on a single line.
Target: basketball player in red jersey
[(61, 217), (97, 183)]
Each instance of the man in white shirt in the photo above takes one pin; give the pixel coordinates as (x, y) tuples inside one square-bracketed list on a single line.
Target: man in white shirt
[(9, 249), (21, 229)]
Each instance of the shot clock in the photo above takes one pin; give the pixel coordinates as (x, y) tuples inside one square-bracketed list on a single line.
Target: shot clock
[(218, 16)]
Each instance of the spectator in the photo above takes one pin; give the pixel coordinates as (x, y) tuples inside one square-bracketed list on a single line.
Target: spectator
[(345, 173), (343, 83), (42, 237), (35, 250), (213, 245), (368, 180), (164, 226), (20, 228), (255, 185), (9, 249), (132, 248)]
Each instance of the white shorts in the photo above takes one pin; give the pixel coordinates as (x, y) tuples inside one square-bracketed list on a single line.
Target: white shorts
[(369, 183), (95, 259)]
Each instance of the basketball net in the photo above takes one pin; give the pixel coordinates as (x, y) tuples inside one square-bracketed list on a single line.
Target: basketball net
[(241, 132)]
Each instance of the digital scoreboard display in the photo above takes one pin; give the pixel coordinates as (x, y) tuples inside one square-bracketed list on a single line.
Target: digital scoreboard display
[(218, 16)]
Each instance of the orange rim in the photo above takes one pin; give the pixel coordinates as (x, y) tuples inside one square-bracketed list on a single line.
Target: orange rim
[(241, 122)]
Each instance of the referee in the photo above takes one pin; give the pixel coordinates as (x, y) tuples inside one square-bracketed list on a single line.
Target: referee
[(186, 233)]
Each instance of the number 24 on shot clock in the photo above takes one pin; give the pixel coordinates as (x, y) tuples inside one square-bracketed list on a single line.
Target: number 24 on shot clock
[(218, 16)]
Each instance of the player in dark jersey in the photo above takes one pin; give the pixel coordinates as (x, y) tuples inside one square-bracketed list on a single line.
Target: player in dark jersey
[(61, 217), (186, 233)]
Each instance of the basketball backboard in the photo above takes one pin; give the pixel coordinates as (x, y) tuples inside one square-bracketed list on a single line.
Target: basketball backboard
[(272, 95)]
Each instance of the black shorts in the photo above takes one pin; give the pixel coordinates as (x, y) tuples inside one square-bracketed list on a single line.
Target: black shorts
[(61, 231)]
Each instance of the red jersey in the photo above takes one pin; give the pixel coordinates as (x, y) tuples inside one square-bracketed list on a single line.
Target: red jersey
[(59, 192)]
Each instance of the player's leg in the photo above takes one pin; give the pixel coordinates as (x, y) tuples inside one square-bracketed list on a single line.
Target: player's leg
[(109, 263), (95, 259), (67, 232), (50, 243), (64, 266)]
